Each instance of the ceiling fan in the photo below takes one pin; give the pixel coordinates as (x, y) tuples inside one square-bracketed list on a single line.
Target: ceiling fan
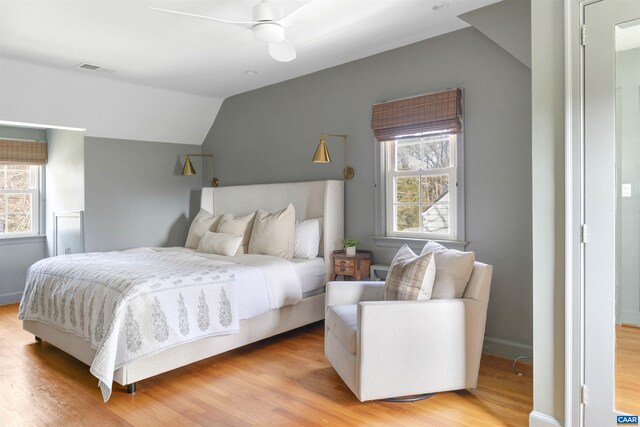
[(268, 25)]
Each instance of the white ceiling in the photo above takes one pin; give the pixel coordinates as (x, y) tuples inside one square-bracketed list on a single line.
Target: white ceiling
[(207, 58)]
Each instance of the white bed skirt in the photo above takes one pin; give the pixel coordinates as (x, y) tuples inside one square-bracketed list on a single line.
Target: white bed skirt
[(266, 325)]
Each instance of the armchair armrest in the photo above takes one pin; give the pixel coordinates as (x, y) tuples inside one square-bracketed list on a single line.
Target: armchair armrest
[(407, 346), (353, 292)]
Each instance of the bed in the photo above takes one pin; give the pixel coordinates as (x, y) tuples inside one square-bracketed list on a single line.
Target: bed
[(316, 199)]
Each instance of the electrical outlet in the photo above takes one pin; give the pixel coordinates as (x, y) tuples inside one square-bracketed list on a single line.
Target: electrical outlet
[(626, 190)]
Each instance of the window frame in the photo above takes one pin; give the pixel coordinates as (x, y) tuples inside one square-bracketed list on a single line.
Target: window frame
[(37, 204), (391, 174), (384, 212)]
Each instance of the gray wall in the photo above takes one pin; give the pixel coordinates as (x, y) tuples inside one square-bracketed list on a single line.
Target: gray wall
[(503, 22), (10, 132), (135, 194), (269, 135), (628, 83), (64, 175), (16, 255)]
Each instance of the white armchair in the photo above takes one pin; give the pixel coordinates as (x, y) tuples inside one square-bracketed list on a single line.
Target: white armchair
[(384, 349)]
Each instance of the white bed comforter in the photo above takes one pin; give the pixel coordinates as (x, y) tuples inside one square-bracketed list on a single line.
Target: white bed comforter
[(135, 303)]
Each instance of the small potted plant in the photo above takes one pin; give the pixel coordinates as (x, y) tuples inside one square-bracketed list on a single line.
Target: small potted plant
[(350, 246)]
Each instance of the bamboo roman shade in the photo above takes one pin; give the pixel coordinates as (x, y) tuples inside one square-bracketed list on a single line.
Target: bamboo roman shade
[(23, 152), (433, 113)]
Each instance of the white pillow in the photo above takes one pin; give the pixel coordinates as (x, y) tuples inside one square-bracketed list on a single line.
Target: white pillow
[(307, 239), (453, 270), (203, 222), (410, 276), (237, 226), (273, 233), (220, 243)]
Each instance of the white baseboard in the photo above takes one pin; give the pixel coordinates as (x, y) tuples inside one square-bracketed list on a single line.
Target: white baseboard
[(506, 348), (11, 298), (629, 316), (538, 419)]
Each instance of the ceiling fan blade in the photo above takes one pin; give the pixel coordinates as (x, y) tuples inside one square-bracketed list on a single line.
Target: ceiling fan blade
[(282, 51), (287, 19), (248, 24)]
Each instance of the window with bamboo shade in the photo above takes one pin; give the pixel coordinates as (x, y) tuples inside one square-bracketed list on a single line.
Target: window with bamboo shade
[(420, 139), (20, 186)]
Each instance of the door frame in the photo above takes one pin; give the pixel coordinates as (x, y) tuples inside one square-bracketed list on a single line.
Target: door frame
[(574, 143)]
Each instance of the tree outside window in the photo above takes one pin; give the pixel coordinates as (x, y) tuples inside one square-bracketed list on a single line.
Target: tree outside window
[(18, 199)]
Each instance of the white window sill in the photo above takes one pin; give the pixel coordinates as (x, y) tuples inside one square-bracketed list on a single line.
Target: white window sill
[(415, 244), (16, 240)]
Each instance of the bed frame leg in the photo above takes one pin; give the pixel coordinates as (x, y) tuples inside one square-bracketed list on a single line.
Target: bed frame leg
[(131, 388), (38, 339)]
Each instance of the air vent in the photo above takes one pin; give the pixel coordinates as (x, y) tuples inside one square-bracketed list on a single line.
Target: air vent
[(88, 66), (92, 67)]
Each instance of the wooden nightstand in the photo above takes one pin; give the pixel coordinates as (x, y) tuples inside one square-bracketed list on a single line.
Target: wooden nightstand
[(356, 266)]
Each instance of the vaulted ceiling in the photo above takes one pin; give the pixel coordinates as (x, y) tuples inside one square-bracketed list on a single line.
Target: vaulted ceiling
[(136, 44)]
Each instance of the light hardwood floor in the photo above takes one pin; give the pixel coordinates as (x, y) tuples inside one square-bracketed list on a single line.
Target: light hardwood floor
[(285, 380), (628, 369)]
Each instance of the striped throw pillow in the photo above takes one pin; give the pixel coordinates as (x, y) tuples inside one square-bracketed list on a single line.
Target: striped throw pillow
[(410, 276)]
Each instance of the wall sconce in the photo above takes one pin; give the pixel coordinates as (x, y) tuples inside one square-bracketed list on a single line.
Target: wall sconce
[(322, 154), (188, 169)]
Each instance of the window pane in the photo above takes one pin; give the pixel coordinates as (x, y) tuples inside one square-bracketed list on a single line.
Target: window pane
[(435, 204), (407, 218), (18, 177), (2, 174), (407, 189), (435, 218), (437, 152), (19, 203), (3, 223), (408, 156), (3, 203), (433, 188), (18, 223)]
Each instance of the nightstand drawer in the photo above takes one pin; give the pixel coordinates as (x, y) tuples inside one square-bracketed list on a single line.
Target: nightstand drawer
[(345, 270), (344, 263)]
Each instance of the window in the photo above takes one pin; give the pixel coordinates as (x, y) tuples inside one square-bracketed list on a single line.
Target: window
[(20, 187), (421, 190), (421, 182), (19, 200)]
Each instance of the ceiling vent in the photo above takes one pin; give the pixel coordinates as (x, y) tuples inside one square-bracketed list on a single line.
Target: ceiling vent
[(92, 67)]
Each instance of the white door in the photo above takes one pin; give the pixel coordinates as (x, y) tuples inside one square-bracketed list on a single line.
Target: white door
[(601, 200)]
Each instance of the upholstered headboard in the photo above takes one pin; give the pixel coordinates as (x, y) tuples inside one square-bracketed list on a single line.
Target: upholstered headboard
[(313, 199)]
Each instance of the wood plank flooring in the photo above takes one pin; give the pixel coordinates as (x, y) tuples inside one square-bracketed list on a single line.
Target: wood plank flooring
[(285, 380), (628, 369)]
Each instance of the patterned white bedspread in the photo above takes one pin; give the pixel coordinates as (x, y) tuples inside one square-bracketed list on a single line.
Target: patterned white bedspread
[(135, 303)]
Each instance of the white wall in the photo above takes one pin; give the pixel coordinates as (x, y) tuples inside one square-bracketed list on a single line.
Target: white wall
[(628, 84), (64, 176), (548, 125), (105, 107)]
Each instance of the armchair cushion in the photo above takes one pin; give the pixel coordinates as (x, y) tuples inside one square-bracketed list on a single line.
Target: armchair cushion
[(453, 270), (411, 276), (342, 320)]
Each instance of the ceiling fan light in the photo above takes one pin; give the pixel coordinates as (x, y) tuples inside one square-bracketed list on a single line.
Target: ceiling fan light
[(268, 33), (282, 51)]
